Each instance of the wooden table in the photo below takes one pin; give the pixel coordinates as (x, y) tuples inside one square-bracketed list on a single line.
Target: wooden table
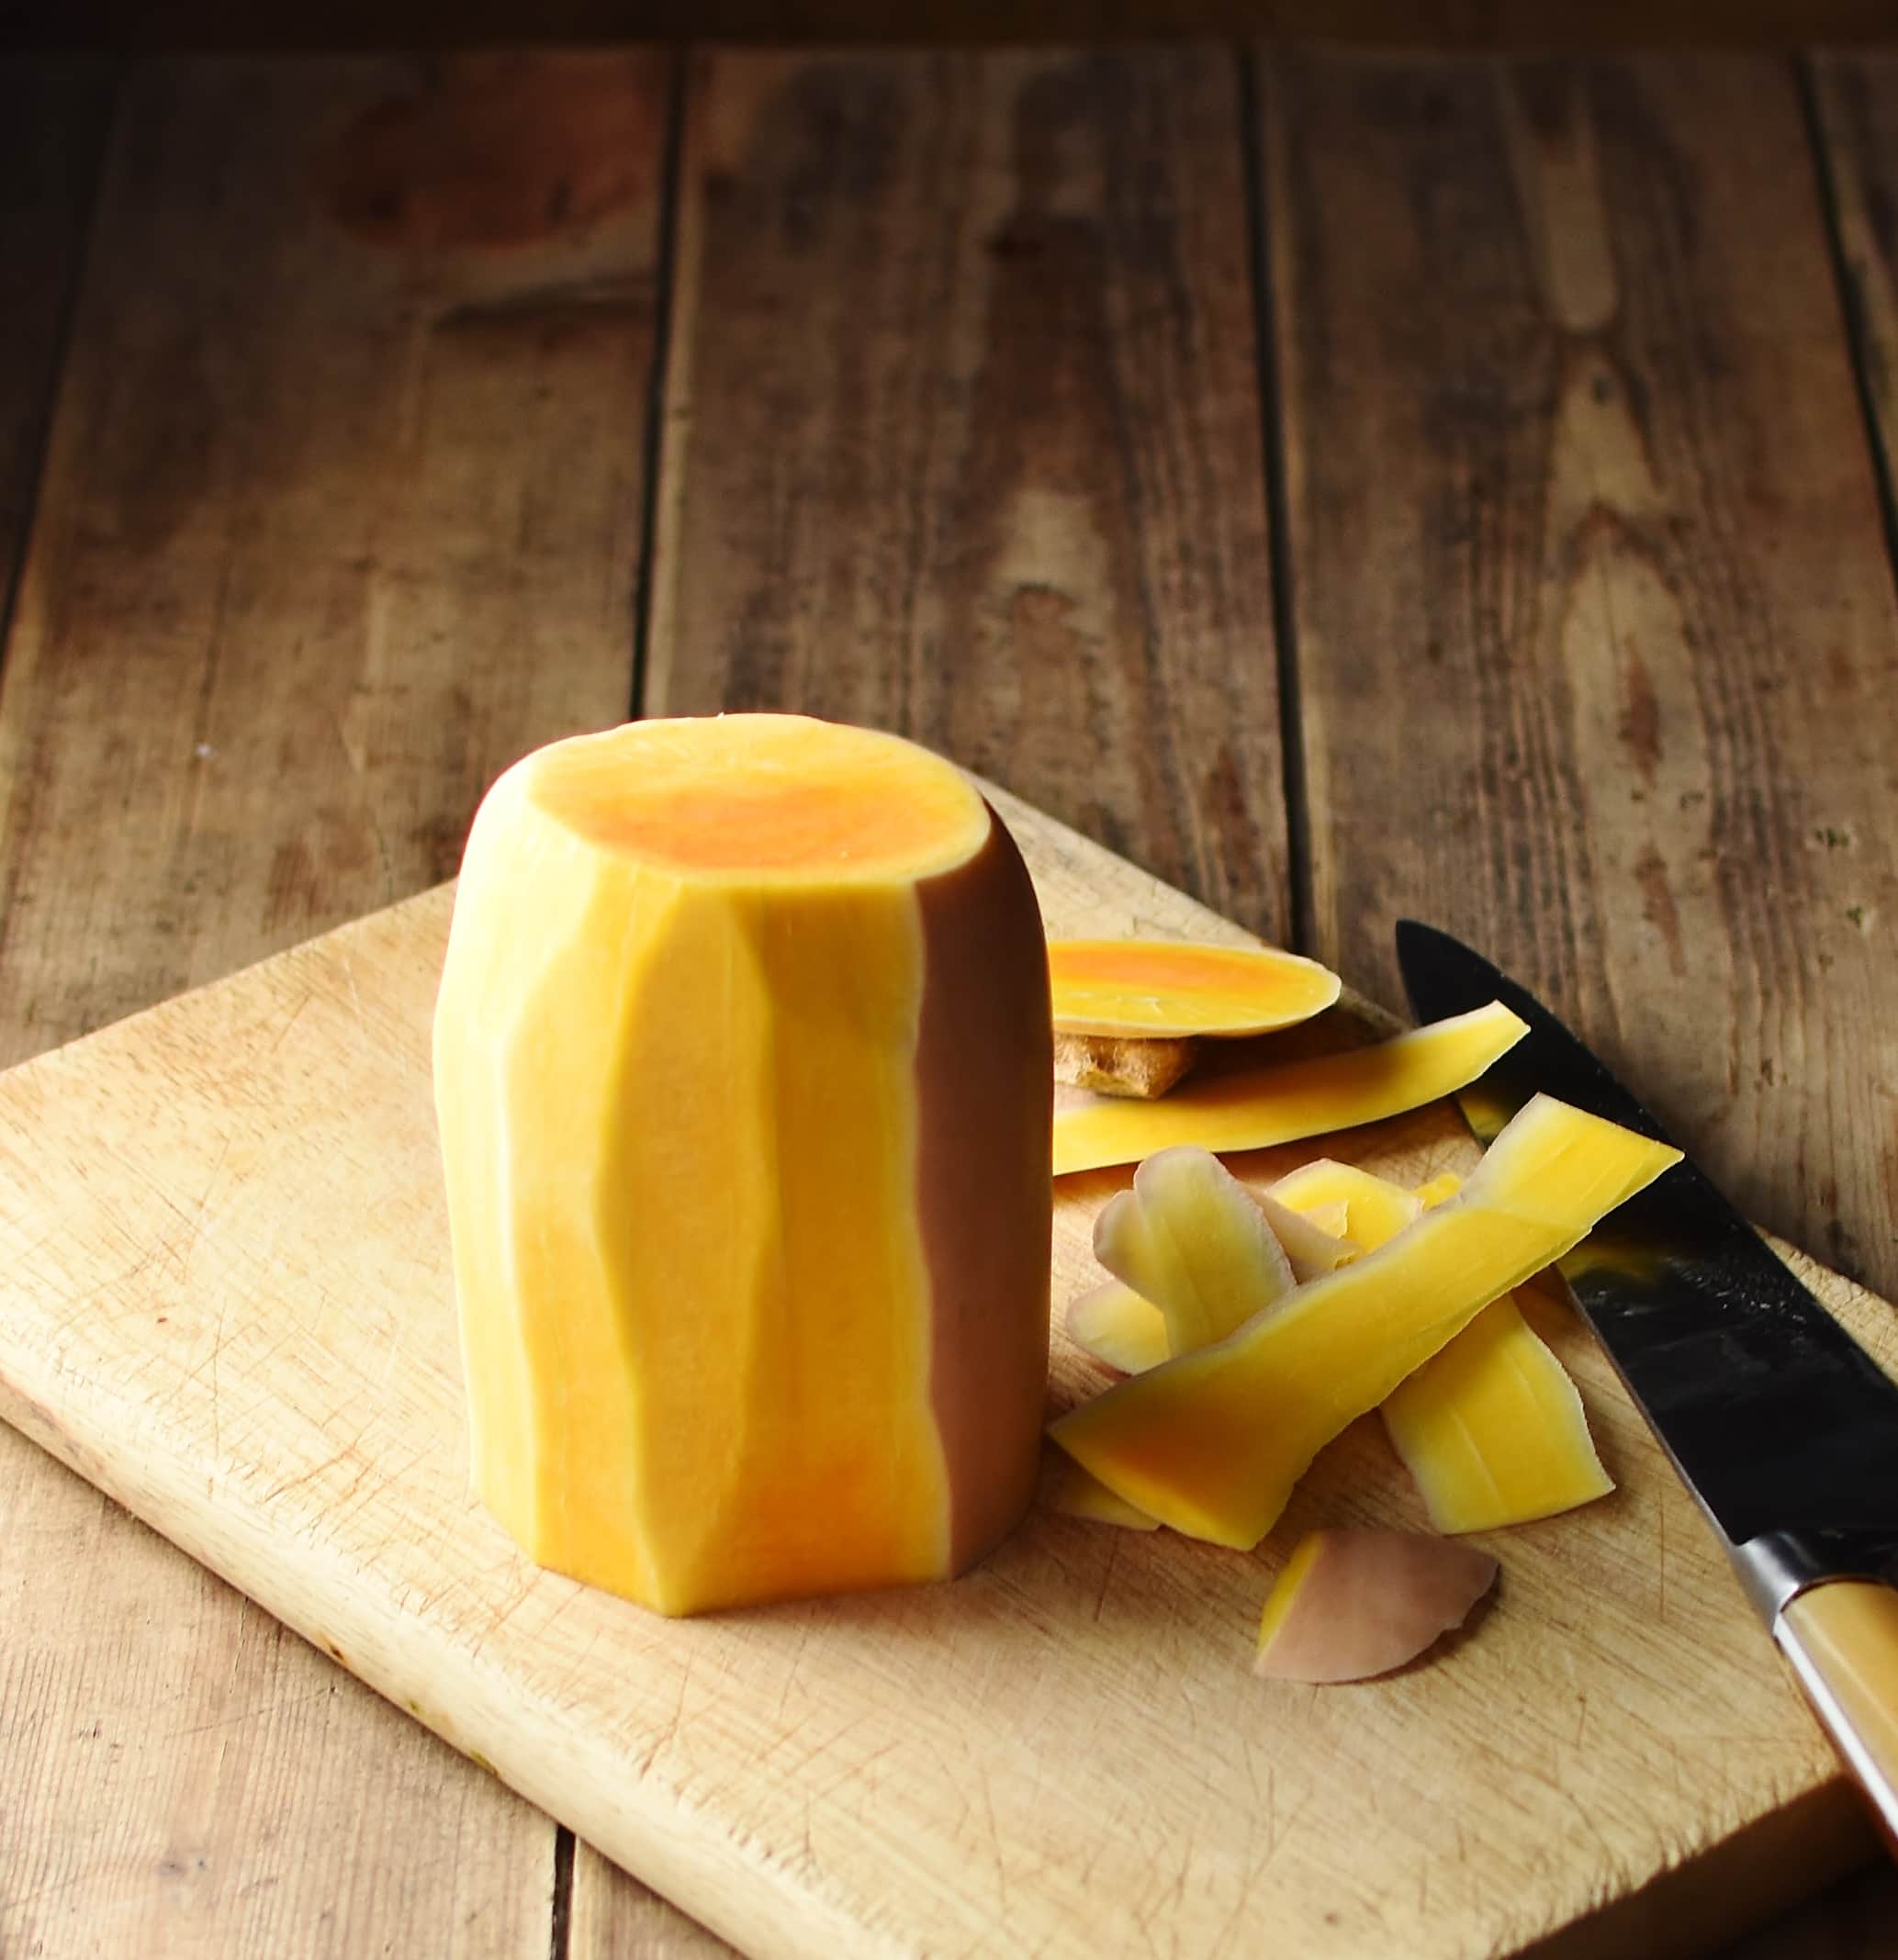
[(1347, 485)]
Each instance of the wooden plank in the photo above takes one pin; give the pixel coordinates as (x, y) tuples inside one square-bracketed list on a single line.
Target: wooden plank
[(1590, 607), (52, 131), (186, 1778), (403, 24), (617, 1918), (1847, 1922), (339, 513), (223, 1223), (330, 527), (962, 435), (1856, 98)]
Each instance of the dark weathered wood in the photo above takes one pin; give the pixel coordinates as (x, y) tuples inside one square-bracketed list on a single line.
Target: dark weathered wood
[(964, 435), (1855, 100), (1852, 1920), (1535, 24), (52, 131), (1595, 625), (1594, 621), (340, 509), (339, 513)]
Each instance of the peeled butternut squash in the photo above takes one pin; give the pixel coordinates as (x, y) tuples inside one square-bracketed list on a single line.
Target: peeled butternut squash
[(1211, 1442), (1261, 1106), (1170, 988), (743, 1071)]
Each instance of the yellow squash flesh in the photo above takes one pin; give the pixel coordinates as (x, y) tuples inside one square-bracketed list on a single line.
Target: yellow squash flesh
[(1264, 1107), (1116, 1326), (1212, 1442), (1074, 1494), (1491, 1429), (1189, 1237)]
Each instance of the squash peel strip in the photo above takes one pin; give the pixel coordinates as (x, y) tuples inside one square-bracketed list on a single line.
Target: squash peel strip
[(1262, 1106), (1212, 1442)]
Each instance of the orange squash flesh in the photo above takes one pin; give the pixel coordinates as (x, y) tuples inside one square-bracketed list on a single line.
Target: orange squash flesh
[(742, 1071), (1170, 987)]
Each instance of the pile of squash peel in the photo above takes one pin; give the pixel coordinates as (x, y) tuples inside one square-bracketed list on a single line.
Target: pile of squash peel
[(1250, 1326)]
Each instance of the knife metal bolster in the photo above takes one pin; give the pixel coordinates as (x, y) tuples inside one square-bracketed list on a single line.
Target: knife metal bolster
[(1777, 1566)]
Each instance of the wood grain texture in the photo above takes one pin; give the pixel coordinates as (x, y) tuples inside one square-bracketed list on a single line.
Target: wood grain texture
[(53, 132), (962, 435), (327, 535), (617, 1918), (223, 1270), (402, 24), (1854, 103), (1593, 606), (186, 1778), (330, 524)]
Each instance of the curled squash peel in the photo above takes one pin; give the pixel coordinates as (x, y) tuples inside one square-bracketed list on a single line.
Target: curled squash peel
[(1212, 1442), (1491, 1429), (743, 1071)]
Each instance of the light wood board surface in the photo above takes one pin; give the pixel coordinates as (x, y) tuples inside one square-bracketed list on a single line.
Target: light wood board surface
[(226, 1300)]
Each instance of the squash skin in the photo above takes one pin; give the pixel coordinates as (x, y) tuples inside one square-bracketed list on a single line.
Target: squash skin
[(731, 1328)]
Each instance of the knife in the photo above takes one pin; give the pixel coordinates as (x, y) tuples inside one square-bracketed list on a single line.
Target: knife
[(1783, 1429)]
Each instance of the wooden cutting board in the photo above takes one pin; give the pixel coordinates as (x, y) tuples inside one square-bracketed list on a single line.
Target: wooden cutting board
[(225, 1298)]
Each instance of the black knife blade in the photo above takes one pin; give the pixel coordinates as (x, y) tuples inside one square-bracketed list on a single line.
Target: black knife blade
[(1780, 1423)]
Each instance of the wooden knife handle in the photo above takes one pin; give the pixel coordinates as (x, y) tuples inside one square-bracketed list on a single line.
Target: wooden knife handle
[(1842, 1639)]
